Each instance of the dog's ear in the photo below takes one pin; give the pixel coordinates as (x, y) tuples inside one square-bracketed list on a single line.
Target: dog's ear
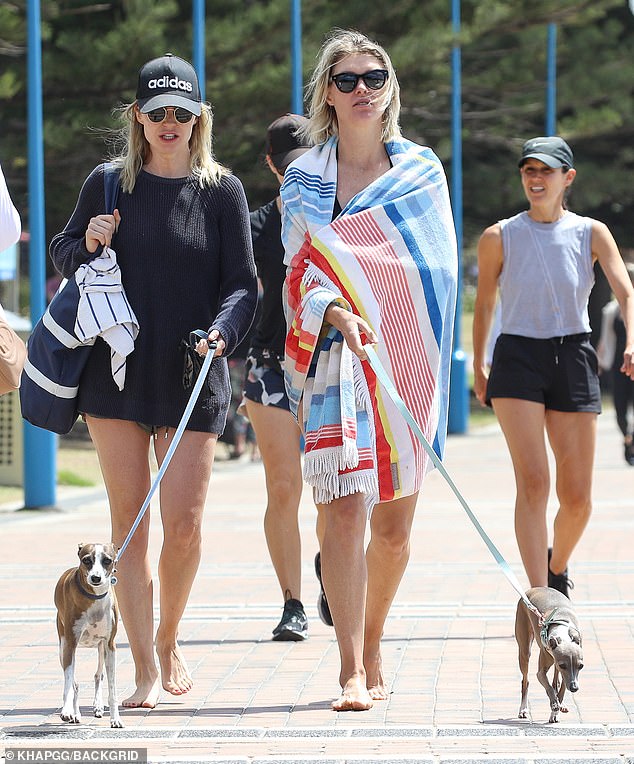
[(80, 546), (575, 636)]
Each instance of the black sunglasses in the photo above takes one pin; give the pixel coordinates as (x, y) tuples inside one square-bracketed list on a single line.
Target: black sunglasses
[(346, 82), (160, 114)]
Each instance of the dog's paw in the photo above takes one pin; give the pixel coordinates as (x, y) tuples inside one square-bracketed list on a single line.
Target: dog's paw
[(522, 714), (553, 718), (98, 712), (70, 718), (563, 709), (116, 723)]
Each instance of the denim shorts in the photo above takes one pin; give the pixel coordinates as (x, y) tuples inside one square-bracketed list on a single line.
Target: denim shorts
[(264, 382), (560, 372)]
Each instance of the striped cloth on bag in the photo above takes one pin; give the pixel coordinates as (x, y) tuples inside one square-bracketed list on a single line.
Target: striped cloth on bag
[(104, 310), (390, 257)]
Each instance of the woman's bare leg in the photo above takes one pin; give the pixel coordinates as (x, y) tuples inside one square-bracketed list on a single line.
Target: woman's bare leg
[(278, 439), (387, 556), (123, 451), (523, 423), (344, 576), (572, 437), (183, 492)]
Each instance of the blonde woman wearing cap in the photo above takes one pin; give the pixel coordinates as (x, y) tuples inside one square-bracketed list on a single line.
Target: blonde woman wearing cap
[(371, 255), (181, 234), (265, 399), (544, 376)]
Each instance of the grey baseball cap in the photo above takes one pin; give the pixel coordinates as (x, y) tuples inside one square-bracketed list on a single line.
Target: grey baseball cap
[(551, 150)]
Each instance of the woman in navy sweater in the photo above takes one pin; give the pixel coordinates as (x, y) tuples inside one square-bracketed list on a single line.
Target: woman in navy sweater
[(182, 236)]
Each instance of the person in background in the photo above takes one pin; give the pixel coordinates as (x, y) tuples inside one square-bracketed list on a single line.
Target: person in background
[(10, 224), (544, 378), (610, 351), (371, 253), (265, 399), (182, 239)]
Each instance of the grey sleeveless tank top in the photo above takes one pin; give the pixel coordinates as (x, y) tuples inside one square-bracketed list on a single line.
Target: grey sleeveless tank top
[(546, 276)]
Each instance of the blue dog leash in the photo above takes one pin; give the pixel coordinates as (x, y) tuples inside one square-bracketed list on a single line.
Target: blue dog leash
[(385, 380), (200, 381)]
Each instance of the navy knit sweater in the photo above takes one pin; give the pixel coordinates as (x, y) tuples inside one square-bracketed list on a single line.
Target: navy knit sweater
[(186, 263)]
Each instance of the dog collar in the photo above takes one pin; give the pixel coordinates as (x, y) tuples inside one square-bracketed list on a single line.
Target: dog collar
[(88, 594), (547, 623)]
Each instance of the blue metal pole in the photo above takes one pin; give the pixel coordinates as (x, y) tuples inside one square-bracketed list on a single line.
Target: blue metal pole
[(458, 390), (297, 96), (198, 42), (40, 446), (551, 80)]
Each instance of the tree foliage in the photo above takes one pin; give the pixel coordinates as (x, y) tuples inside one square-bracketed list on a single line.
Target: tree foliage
[(91, 53)]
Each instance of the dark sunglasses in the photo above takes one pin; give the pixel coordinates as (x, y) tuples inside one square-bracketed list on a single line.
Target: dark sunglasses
[(346, 82), (160, 114)]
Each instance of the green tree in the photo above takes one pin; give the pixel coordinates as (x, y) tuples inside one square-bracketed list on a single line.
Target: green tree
[(92, 51)]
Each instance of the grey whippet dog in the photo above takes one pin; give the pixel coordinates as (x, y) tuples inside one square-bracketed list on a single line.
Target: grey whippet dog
[(559, 638)]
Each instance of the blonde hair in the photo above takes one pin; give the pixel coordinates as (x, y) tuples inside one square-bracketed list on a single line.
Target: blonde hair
[(340, 44), (135, 149)]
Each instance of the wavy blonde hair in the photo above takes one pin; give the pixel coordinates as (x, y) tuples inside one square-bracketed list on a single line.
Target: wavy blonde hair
[(340, 44), (135, 149)]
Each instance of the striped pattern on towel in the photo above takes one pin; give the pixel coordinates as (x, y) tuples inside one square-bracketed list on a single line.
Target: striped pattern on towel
[(104, 310), (391, 258)]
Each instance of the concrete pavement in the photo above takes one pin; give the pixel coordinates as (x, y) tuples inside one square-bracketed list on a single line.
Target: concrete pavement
[(449, 652)]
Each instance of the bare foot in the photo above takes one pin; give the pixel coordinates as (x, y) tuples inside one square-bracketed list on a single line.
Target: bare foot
[(146, 695), (354, 696), (374, 676), (175, 675)]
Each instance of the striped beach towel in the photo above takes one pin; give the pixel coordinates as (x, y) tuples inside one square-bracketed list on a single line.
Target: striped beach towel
[(390, 257)]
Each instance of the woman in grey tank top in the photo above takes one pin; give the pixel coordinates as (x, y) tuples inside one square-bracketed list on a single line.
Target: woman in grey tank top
[(544, 376)]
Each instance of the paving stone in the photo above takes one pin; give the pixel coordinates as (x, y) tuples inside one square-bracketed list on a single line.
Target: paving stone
[(389, 732), (572, 730), (484, 730), (449, 655)]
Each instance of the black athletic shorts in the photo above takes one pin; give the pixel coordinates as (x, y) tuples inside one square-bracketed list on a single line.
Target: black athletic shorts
[(560, 372)]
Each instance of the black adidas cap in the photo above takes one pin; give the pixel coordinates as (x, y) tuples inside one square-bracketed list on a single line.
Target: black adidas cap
[(168, 81)]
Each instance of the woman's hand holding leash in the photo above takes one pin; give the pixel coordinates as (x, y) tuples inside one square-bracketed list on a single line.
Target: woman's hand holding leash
[(202, 346), (352, 327)]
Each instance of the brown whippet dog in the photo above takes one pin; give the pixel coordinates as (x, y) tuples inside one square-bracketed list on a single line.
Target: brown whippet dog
[(87, 616)]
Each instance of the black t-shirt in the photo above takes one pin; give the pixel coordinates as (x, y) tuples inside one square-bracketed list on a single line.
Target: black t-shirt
[(266, 232)]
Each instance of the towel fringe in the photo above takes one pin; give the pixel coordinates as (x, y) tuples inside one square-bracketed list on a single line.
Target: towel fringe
[(336, 486), (330, 460)]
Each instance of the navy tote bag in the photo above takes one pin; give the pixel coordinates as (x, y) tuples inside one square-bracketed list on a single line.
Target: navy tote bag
[(55, 356)]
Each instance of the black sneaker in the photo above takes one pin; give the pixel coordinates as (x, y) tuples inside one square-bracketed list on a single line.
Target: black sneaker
[(629, 453), (322, 602), (559, 581), (294, 625)]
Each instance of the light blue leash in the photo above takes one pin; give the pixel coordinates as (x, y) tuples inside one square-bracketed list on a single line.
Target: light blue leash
[(200, 381), (384, 379)]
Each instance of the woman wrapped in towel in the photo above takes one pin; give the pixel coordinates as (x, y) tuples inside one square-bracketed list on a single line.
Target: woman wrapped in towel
[(371, 254)]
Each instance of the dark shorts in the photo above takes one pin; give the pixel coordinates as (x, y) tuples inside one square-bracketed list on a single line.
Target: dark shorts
[(150, 429), (264, 381), (560, 372)]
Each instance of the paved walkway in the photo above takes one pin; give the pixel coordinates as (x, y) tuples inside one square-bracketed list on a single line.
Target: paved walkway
[(449, 653)]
